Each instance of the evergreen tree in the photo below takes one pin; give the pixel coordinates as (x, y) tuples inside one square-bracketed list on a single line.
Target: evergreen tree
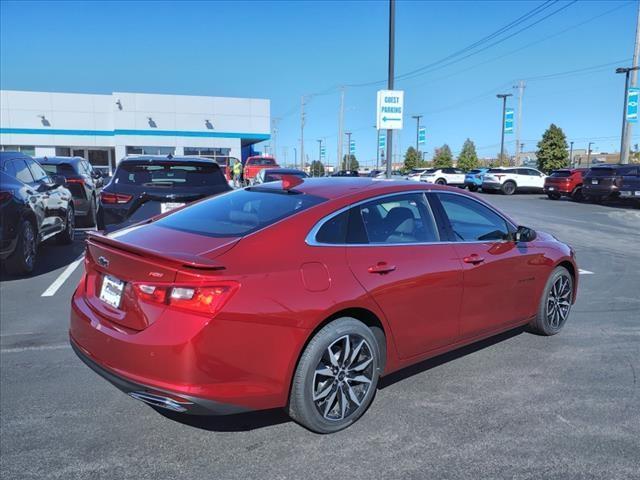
[(443, 157), (412, 159), (468, 158), (552, 150), (350, 163), (317, 169)]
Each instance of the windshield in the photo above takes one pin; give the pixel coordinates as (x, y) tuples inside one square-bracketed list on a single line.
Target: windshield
[(238, 213), (561, 173), (189, 174), (602, 172)]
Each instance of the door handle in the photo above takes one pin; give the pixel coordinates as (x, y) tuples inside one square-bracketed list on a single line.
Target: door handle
[(381, 267), (474, 259)]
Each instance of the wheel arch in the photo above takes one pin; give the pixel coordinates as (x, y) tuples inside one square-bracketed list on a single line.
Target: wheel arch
[(572, 271)]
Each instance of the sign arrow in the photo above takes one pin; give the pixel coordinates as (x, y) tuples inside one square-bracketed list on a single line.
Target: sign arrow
[(391, 118)]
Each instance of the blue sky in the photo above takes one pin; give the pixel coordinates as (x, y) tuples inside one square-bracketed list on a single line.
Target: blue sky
[(283, 50)]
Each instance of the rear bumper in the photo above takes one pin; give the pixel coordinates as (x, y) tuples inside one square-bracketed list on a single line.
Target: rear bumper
[(477, 182), (562, 189), (595, 191), (153, 396)]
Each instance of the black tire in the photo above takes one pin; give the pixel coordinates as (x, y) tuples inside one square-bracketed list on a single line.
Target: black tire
[(441, 181), (562, 281), (473, 188), (509, 187), (66, 236), (576, 195), (90, 219), (553, 196), (335, 389), (23, 259)]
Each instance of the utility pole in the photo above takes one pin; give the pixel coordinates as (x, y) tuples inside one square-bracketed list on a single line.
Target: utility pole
[(274, 128), (417, 117), (503, 96), (589, 154), (626, 126), (520, 88), (347, 162), (571, 154), (340, 127), (302, 119), (295, 157), (392, 37), (319, 153), (377, 147)]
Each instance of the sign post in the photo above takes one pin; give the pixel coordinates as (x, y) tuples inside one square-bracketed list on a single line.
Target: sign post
[(390, 110)]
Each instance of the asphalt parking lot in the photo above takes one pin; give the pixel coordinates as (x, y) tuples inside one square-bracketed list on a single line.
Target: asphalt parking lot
[(515, 406)]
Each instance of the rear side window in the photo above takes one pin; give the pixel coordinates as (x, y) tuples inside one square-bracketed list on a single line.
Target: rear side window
[(334, 230), (168, 174), (238, 213), (471, 221), (61, 169)]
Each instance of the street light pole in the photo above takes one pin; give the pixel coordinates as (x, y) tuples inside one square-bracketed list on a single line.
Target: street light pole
[(377, 147), (319, 153), (392, 35), (347, 161), (624, 137), (302, 119), (503, 96), (571, 154)]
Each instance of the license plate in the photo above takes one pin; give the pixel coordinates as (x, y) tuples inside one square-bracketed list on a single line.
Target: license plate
[(111, 291), (167, 207), (594, 182), (629, 193), (552, 188)]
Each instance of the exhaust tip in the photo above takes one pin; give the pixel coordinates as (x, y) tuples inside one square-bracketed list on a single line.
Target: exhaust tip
[(173, 404)]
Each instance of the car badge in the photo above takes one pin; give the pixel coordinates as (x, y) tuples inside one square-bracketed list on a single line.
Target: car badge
[(156, 274), (103, 262)]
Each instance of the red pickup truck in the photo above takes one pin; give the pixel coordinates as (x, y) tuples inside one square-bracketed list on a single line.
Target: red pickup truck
[(565, 182), (254, 164)]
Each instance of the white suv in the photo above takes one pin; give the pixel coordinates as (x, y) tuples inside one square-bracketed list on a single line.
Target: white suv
[(510, 179), (443, 176), (415, 174)]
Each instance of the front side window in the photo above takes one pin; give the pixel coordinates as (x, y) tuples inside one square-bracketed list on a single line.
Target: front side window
[(399, 219), (471, 221)]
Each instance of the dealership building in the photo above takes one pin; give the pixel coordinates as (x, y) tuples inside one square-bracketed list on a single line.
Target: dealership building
[(105, 128)]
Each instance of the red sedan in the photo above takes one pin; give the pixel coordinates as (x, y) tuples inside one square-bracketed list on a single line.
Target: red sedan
[(302, 293)]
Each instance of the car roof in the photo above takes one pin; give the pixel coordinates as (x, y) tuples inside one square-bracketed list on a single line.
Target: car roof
[(9, 154), (168, 158), (336, 187), (58, 160)]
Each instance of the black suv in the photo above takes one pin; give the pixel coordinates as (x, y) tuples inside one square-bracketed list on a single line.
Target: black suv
[(144, 186), (83, 182), (33, 207), (606, 181)]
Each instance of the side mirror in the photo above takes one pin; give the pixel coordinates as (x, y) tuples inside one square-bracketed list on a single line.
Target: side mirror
[(96, 174), (525, 234)]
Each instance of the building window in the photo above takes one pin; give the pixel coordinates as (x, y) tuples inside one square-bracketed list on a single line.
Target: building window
[(27, 150), (205, 151), (63, 152), (150, 150)]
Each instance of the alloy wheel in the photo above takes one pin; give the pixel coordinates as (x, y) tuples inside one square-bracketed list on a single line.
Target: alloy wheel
[(343, 377), (559, 302), (28, 245)]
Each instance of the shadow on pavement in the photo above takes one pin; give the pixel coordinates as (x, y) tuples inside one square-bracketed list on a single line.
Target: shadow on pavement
[(241, 422), (52, 256), (430, 363)]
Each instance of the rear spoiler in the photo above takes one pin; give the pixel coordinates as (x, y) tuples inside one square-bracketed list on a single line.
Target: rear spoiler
[(183, 259)]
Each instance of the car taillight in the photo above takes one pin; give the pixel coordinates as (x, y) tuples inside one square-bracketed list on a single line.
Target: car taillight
[(207, 299), (76, 180), (4, 196), (499, 176), (112, 198)]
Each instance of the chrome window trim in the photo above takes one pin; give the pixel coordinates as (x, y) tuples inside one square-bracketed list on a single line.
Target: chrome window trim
[(311, 236)]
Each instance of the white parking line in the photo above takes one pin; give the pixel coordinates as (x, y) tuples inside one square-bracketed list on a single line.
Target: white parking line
[(58, 282), (584, 272), (30, 349)]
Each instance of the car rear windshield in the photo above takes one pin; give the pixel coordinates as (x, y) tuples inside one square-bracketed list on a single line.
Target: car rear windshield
[(561, 173), (602, 172), (60, 169), (238, 213), (163, 174), (261, 161)]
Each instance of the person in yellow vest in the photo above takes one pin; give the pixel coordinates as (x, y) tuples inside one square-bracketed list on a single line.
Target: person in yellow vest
[(237, 174)]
